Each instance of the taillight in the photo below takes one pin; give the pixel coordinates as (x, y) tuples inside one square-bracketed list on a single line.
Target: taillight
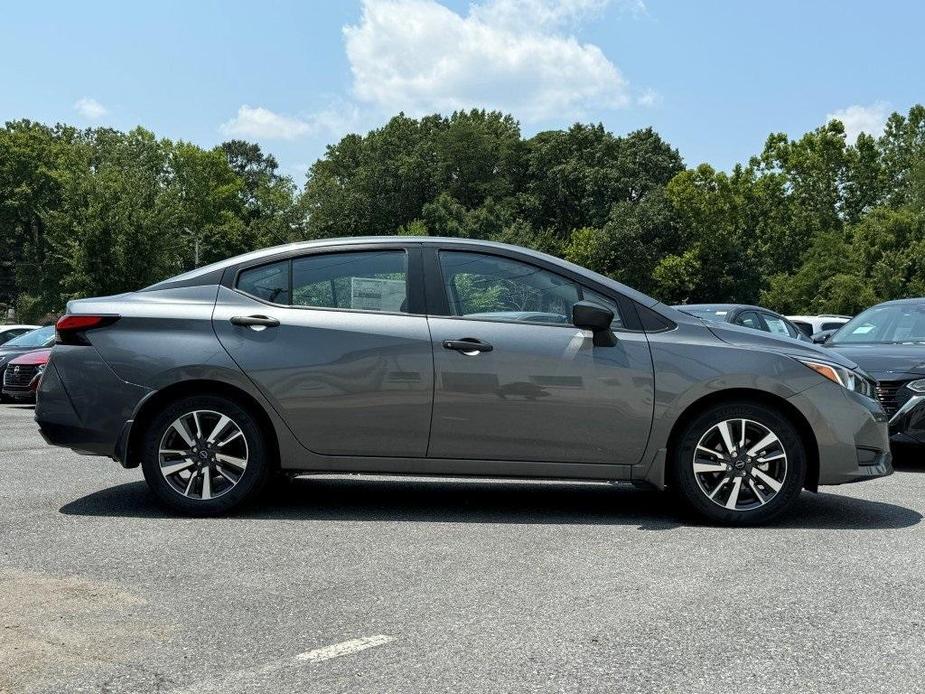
[(69, 330)]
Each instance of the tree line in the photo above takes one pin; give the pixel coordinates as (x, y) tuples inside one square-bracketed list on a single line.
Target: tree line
[(815, 224)]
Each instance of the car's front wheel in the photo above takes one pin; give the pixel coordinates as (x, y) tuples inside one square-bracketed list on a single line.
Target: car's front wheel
[(203, 455), (738, 464)]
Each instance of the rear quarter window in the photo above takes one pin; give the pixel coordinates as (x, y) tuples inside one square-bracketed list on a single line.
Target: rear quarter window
[(267, 282)]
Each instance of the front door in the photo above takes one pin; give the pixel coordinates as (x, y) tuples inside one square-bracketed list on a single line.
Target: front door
[(515, 380), (343, 360)]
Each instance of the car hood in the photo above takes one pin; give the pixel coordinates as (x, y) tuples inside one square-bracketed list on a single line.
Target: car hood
[(746, 337), (883, 361), (36, 356)]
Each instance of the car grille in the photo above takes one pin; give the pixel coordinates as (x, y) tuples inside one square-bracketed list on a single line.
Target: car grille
[(19, 375), (891, 395)]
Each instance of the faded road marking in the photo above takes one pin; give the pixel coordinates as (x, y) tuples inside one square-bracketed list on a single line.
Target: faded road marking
[(344, 648), (249, 680)]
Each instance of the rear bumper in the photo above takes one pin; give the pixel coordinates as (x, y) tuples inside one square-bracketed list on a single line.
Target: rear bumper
[(82, 404), (852, 434)]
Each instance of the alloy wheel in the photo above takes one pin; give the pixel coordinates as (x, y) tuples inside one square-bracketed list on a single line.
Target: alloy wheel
[(203, 454), (740, 464)]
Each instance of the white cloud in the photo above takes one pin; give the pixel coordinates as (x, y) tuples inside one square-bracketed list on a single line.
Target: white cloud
[(259, 123), (857, 119), (90, 109), (649, 98), (419, 56), (517, 14)]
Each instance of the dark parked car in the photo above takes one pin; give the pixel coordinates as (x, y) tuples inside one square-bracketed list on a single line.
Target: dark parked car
[(448, 357), (22, 375), (28, 342), (888, 341), (753, 317)]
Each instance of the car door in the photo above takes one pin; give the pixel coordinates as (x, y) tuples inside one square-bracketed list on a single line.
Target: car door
[(338, 343), (516, 381)]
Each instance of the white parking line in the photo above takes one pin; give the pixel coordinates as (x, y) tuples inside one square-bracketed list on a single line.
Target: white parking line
[(242, 680), (344, 648)]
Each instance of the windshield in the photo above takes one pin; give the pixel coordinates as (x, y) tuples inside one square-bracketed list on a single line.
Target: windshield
[(36, 338), (885, 324)]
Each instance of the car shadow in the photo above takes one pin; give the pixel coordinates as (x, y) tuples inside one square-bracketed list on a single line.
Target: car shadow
[(468, 501)]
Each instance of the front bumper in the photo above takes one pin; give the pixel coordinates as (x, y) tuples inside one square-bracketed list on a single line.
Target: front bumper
[(907, 425), (20, 393), (852, 433)]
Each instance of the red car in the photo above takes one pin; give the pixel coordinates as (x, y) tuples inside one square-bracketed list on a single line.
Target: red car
[(22, 375)]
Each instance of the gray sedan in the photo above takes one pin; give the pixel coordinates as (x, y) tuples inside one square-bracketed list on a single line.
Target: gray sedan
[(448, 357)]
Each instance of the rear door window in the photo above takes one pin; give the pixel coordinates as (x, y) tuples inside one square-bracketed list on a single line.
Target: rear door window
[(357, 280)]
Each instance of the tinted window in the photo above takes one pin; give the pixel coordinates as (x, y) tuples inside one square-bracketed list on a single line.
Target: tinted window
[(267, 282), (487, 286), (832, 326), (805, 328), (749, 319), (367, 281), (36, 338)]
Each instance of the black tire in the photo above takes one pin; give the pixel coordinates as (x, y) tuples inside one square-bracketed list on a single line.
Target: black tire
[(249, 484), (683, 481)]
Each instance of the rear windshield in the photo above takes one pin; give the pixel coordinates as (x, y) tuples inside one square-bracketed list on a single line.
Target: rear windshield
[(714, 314)]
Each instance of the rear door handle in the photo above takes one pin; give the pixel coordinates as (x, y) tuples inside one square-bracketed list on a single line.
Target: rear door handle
[(252, 321), (467, 345)]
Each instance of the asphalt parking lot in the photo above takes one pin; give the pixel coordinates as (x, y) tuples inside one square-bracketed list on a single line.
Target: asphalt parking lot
[(447, 586)]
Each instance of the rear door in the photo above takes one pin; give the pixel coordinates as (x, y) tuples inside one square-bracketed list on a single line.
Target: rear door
[(338, 343), (515, 380)]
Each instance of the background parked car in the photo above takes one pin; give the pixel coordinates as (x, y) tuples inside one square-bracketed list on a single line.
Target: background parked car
[(8, 332), (754, 317), (810, 325), (22, 375), (28, 342), (888, 342)]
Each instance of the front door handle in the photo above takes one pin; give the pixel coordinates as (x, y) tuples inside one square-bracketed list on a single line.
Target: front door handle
[(468, 345), (255, 321)]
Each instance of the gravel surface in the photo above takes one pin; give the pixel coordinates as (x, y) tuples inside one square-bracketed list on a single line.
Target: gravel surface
[(376, 584)]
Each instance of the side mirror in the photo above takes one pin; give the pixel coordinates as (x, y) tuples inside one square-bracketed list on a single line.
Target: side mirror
[(821, 337), (590, 316)]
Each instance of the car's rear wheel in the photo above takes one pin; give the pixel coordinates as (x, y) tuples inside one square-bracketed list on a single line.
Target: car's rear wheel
[(738, 464), (204, 455)]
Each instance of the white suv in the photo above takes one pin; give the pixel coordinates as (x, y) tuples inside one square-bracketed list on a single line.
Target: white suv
[(810, 325)]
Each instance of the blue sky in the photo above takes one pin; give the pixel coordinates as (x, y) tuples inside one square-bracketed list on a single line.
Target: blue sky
[(713, 77)]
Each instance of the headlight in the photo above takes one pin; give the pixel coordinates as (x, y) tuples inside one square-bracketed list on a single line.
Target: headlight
[(846, 378), (914, 386)]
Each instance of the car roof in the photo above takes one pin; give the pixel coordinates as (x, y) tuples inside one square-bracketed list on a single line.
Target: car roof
[(4, 328), (209, 273)]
